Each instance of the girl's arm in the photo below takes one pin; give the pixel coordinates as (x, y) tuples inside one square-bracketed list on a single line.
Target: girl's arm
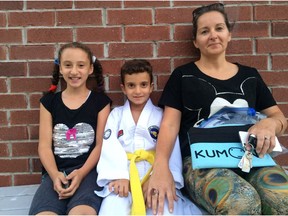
[(45, 149)]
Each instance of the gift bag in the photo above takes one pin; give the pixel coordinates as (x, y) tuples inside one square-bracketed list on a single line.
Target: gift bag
[(220, 147)]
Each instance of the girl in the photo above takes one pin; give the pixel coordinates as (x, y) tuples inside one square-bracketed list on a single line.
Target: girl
[(70, 136)]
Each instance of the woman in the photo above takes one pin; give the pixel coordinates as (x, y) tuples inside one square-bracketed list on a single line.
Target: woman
[(194, 92)]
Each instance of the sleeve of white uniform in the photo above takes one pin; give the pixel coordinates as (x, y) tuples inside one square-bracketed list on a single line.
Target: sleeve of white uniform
[(175, 165), (113, 163)]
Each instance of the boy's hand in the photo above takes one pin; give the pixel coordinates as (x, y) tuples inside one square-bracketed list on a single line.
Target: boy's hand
[(120, 187)]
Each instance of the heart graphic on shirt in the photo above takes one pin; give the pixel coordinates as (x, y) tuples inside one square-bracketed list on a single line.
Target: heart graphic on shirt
[(72, 142)]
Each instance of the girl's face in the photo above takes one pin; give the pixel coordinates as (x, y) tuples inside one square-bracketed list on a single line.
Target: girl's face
[(212, 36), (137, 87), (75, 67)]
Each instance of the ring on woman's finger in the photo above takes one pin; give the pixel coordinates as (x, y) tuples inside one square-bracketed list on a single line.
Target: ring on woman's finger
[(266, 138), (155, 192)]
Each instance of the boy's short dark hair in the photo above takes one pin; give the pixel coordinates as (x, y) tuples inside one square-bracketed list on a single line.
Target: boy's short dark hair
[(136, 66)]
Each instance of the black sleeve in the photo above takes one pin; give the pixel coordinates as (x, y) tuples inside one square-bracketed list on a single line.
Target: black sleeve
[(171, 95)]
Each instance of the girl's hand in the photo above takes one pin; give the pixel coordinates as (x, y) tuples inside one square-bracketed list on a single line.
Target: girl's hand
[(75, 178), (58, 181), (120, 186)]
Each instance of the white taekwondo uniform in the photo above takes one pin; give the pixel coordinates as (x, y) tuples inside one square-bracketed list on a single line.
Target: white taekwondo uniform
[(123, 136)]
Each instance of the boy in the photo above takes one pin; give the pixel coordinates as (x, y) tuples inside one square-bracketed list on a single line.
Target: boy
[(128, 149)]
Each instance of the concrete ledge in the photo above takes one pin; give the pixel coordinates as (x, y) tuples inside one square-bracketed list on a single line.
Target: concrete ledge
[(16, 200)]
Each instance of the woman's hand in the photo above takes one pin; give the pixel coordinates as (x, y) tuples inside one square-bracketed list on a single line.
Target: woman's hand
[(264, 131), (161, 185), (120, 187)]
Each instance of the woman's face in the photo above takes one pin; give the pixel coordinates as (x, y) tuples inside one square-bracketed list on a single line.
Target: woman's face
[(212, 34)]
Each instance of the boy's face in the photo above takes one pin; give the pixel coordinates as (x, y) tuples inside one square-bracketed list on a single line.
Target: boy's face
[(137, 87)]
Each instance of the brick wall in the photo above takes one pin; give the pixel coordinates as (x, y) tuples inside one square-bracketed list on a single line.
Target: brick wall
[(32, 31)]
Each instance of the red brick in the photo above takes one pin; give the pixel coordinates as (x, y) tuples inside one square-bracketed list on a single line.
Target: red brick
[(280, 94), (99, 34), (97, 50), (3, 52), (49, 35), (35, 100), (182, 61), (30, 84), (3, 85), (33, 132), (282, 160), (24, 149), (98, 4), (28, 179), (147, 33), (143, 4), (112, 66), (275, 12), (155, 96), (24, 117), (239, 13), (280, 29), (36, 165), (3, 118), (11, 5), (12, 69), (191, 3), (4, 150), (49, 4), (250, 30), (31, 52), (10, 36), (272, 45), (275, 78), (114, 83), (14, 165), (240, 47), (162, 80), (117, 98), (31, 18), (284, 109), (5, 180), (171, 49), (2, 19), (183, 32), (130, 50), (283, 140), (279, 62), (92, 17), (259, 62), (173, 15), (41, 68), (129, 17), (13, 133), (160, 66), (12, 101)]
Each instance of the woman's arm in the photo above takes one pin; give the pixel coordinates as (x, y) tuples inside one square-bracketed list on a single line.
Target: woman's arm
[(265, 130), (161, 178)]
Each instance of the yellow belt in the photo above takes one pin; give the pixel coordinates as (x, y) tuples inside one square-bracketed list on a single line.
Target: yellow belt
[(138, 203)]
